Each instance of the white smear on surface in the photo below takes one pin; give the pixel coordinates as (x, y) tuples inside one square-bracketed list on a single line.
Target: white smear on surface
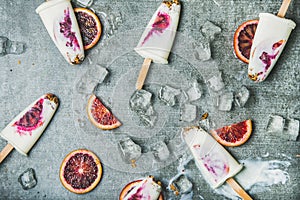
[(258, 176), (183, 161), (285, 156)]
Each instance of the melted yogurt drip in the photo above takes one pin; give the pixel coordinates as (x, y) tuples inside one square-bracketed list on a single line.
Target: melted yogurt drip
[(257, 176)]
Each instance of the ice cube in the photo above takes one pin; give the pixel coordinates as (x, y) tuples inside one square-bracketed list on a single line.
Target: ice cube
[(216, 82), (202, 51), (3, 45), (140, 101), (91, 79), (81, 86), (291, 129), (96, 74), (182, 184), (160, 151), (101, 73), (27, 179), (224, 101), (148, 117), (168, 95), (82, 3), (188, 112), (130, 151), (15, 47), (183, 98), (194, 93), (242, 96), (210, 30), (275, 124)]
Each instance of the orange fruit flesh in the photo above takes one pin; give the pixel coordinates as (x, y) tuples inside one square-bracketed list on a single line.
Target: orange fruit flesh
[(235, 134), (89, 25), (243, 38), (80, 176), (100, 116)]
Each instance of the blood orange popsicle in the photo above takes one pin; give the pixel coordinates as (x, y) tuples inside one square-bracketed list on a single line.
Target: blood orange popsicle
[(147, 188), (26, 128), (60, 21), (271, 36), (217, 166), (157, 39)]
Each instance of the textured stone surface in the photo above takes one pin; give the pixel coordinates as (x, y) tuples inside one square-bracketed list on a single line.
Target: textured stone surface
[(41, 69)]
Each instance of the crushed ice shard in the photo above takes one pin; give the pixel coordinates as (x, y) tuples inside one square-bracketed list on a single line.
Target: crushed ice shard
[(241, 97), (8, 46)]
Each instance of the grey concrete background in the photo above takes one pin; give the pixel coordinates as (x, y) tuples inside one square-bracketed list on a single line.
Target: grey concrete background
[(41, 69)]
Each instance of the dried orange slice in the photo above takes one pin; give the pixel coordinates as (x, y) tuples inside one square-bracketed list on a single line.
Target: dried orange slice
[(89, 25), (243, 38), (100, 116), (80, 171), (233, 135)]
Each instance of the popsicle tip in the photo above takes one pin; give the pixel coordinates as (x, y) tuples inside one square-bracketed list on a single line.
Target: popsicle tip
[(75, 61), (185, 130), (253, 77), (52, 97), (169, 3)]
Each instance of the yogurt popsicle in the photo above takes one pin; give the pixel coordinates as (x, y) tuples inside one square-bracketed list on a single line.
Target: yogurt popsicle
[(215, 163), (145, 189), (157, 39), (271, 36), (26, 128), (60, 21)]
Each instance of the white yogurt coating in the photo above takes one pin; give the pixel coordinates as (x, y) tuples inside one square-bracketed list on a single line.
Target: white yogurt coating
[(60, 21), (22, 138), (212, 159), (269, 40), (145, 189), (157, 39)]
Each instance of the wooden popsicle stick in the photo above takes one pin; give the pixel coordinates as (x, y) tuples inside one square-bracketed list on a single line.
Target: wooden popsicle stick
[(5, 151), (283, 8), (143, 73), (238, 189)]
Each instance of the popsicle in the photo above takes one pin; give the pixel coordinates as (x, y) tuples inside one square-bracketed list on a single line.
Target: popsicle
[(60, 21), (145, 189), (26, 128), (217, 166), (271, 36), (157, 39)]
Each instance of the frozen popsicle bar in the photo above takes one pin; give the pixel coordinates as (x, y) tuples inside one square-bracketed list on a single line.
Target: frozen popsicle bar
[(157, 39), (214, 162), (26, 128), (271, 36), (60, 21), (146, 189)]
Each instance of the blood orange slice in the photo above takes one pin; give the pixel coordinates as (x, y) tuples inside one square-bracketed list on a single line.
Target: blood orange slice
[(243, 38), (89, 25), (235, 134), (80, 171), (100, 116), (130, 186)]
